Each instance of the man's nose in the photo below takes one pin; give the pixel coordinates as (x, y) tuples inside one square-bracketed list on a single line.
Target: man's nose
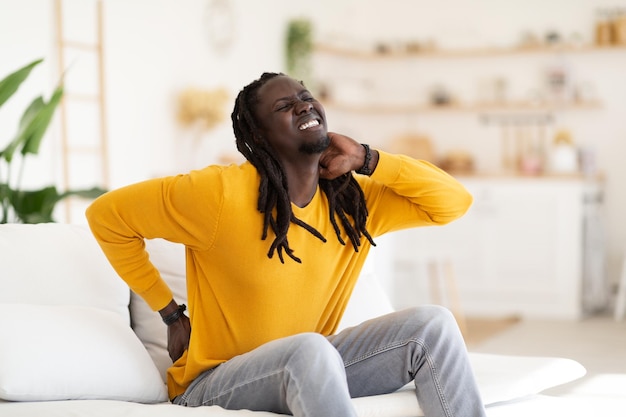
[(303, 106)]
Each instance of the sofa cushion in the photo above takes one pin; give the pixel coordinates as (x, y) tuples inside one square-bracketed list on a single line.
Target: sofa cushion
[(58, 264), (73, 352)]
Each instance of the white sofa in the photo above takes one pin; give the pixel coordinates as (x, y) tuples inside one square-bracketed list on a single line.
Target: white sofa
[(68, 349)]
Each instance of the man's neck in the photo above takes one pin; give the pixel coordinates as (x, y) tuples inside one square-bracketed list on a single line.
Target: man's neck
[(302, 180)]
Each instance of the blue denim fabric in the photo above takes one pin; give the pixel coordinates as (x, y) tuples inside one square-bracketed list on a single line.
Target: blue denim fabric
[(311, 375)]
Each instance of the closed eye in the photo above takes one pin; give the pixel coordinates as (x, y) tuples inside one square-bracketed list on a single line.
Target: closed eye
[(284, 106), (306, 96)]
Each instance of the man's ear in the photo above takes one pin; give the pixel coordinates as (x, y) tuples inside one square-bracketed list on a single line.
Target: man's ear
[(258, 137)]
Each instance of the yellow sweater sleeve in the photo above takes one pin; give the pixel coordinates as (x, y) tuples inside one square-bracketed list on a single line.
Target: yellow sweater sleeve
[(404, 192), (176, 208)]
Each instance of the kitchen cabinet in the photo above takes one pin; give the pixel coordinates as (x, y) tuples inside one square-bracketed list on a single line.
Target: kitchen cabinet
[(527, 247)]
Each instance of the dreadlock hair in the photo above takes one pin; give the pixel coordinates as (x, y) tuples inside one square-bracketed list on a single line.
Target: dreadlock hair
[(345, 196)]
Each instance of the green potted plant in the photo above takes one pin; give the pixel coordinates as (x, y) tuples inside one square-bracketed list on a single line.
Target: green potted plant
[(29, 206), (298, 48)]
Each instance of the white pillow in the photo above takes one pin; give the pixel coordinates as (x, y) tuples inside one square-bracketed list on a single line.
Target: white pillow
[(368, 299), (73, 352), (169, 259), (55, 263)]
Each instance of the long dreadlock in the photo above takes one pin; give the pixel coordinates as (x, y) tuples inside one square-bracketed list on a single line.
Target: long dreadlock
[(345, 196)]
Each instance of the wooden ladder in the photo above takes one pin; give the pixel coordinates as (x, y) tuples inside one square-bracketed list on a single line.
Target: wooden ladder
[(85, 156)]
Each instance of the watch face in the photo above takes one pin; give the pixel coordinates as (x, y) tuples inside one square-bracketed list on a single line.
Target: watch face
[(220, 21)]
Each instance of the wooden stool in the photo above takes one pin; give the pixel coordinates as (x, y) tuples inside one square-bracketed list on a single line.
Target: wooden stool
[(620, 301), (443, 288)]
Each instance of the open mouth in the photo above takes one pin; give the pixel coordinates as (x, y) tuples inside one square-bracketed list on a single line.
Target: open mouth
[(309, 124)]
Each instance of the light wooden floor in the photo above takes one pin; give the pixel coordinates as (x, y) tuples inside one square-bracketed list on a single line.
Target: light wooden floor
[(477, 330), (598, 343)]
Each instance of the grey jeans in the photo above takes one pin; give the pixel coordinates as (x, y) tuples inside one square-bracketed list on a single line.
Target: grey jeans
[(310, 375)]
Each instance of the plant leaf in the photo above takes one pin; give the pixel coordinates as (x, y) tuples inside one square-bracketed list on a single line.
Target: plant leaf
[(5, 199), (89, 193), (35, 206), (10, 83), (27, 119), (38, 126)]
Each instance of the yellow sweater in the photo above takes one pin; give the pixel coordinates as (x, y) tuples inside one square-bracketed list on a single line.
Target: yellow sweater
[(238, 298)]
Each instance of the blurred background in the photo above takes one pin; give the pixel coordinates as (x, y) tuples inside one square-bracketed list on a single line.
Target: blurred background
[(523, 101)]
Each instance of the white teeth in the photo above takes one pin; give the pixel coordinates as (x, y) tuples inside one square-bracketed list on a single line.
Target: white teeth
[(309, 124)]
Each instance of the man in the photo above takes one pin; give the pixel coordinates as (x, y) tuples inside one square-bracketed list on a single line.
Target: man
[(273, 249)]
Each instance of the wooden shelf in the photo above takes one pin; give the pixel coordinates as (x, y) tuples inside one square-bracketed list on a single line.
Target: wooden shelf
[(509, 107), (460, 53)]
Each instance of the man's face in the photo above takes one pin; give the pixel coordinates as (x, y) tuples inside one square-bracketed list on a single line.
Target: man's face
[(291, 119)]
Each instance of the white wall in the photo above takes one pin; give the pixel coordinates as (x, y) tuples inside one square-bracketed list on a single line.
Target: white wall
[(155, 48), (26, 29)]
